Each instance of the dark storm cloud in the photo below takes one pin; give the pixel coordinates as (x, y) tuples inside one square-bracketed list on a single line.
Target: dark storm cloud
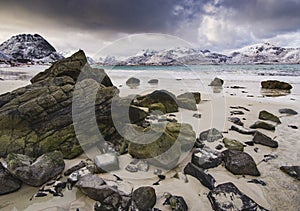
[(128, 16)]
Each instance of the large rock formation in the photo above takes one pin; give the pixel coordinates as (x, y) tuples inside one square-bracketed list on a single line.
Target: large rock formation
[(38, 118)]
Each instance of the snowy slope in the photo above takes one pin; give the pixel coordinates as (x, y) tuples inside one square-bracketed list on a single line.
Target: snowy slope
[(28, 47)]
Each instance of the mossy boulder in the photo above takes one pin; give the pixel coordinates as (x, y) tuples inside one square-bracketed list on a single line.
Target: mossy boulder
[(265, 115), (233, 144)]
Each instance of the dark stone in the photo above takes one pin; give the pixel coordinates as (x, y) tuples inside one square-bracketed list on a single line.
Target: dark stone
[(273, 84), (216, 82), (262, 125), (260, 138), (219, 147), (249, 143), (206, 158), (288, 111), (236, 121), (8, 183), (210, 135), (242, 130), (206, 179), (75, 168), (133, 82), (227, 196), (236, 112), (177, 203), (195, 96), (265, 115), (257, 181), (198, 116), (35, 172), (293, 171), (144, 198), (293, 126), (239, 163), (153, 81), (239, 107), (233, 144)]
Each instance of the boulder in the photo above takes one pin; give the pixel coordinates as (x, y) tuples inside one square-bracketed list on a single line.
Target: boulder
[(106, 162), (37, 119), (265, 115), (159, 96), (109, 196), (260, 138), (153, 81), (274, 84), (196, 96), (133, 82), (144, 198), (262, 125), (157, 108), (8, 183), (206, 158), (216, 82), (227, 196), (205, 179), (288, 111), (187, 103), (293, 171), (239, 163), (162, 143), (210, 135), (35, 172), (233, 144)]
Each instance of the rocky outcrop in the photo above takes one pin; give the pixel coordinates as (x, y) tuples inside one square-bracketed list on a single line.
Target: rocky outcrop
[(227, 196), (210, 135), (216, 82), (273, 84), (159, 96), (35, 172), (260, 138), (37, 119), (239, 163), (8, 183), (144, 198), (205, 179), (265, 115), (161, 143)]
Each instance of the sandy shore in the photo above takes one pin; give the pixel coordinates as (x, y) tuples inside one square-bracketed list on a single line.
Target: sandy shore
[(280, 193)]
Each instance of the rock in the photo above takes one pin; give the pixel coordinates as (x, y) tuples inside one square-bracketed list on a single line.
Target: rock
[(233, 144), (107, 162), (249, 143), (159, 96), (293, 171), (236, 112), (236, 121), (293, 127), (265, 115), (273, 84), (196, 96), (177, 203), (257, 181), (260, 138), (133, 82), (219, 147), (239, 163), (206, 179), (138, 165), (157, 108), (8, 183), (153, 81), (35, 172), (210, 135), (144, 198), (269, 157), (187, 103), (162, 143), (263, 125), (288, 111), (42, 111), (198, 116), (242, 130), (97, 189), (206, 158), (143, 165), (216, 82), (131, 168), (239, 107), (227, 196), (80, 165)]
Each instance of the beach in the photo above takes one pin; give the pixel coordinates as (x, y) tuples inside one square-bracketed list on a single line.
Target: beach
[(241, 89)]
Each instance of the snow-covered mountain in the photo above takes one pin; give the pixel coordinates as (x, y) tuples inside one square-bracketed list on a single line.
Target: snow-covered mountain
[(30, 48), (265, 53), (254, 54)]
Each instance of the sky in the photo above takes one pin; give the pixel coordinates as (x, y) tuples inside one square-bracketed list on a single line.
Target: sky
[(91, 25)]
